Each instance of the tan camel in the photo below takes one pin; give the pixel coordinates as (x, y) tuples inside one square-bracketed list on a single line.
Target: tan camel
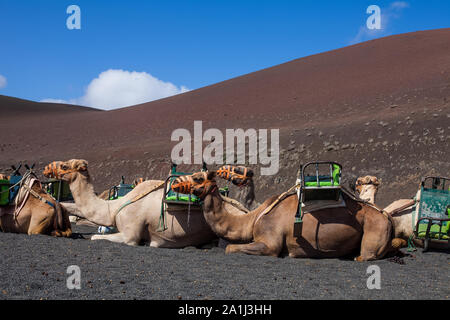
[(35, 212), (137, 221), (325, 233), (402, 211)]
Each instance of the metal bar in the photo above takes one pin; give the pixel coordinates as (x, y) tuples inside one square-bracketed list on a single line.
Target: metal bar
[(317, 174), (59, 190), (331, 174)]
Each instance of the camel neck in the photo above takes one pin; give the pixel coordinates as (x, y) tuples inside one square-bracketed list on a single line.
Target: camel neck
[(91, 207), (230, 226)]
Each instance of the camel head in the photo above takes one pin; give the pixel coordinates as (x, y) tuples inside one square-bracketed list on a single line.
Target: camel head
[(199, 184), (239, 176), (367, 187), (67, 170)]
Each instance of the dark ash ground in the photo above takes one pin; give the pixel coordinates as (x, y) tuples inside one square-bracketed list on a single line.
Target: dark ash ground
[(34, 267)]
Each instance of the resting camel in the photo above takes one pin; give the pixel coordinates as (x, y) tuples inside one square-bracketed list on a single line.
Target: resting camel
[(402, 211), (137, 221), (325, 233), (35, 212)]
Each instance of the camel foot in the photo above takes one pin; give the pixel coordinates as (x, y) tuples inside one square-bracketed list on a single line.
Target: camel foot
[(398, 243)]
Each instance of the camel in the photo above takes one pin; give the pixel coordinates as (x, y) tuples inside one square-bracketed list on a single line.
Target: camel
[(35, 212), (137, 221), (324, 233), (403, 211)]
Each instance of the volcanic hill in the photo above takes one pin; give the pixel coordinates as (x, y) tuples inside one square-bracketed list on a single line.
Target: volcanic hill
[(381, 108)]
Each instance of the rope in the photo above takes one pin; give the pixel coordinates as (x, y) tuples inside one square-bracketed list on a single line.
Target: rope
[(411, 246)]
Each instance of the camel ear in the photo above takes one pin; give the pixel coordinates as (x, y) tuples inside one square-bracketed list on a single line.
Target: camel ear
[(211, 175), (81, 165), (375, 181)]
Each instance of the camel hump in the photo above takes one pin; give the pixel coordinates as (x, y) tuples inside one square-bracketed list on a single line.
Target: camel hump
[(150, 184), (399, 205)]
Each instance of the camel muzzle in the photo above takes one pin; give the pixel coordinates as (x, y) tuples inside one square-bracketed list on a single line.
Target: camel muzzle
[(51, 170), (239, 176), (182, 185)]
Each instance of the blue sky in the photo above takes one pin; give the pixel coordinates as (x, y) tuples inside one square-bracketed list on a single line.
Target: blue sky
[(185, 43)]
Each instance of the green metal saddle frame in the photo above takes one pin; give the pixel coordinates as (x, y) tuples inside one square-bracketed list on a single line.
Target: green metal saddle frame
[(58, 189), (4, 192), (121, 190), (318, 186), (433, 221)]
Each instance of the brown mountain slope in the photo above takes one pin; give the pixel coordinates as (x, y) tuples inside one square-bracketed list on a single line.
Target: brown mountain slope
[(380, 107), (14, 107)]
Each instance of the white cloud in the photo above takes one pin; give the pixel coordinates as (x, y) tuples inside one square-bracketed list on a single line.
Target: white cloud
[(399, 5), (114, 89), (54, 101), (3, 81), (388, 14)]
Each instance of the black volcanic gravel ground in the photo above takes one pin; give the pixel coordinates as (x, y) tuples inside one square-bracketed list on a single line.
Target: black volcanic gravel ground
[(34, 267)]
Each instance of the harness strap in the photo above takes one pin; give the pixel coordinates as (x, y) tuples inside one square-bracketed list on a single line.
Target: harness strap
[(29, 190)]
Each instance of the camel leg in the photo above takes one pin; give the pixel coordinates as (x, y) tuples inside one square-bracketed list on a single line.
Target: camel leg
[(254, 248), (39, 224), (376, 239), (116, 237)]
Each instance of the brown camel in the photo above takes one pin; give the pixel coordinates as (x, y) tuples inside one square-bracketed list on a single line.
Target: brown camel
[(324, 233), (35, 212), (136, 215)]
